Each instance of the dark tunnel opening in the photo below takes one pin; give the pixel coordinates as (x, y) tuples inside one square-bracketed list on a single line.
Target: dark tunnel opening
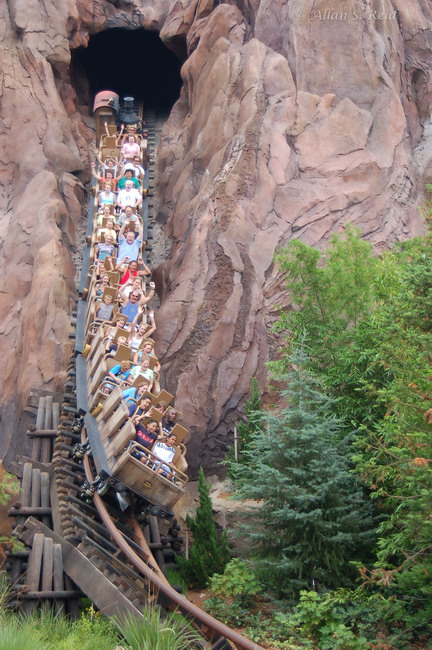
[(131, 63)]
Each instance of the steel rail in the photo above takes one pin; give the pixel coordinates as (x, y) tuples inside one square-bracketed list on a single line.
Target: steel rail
[(159, 582)]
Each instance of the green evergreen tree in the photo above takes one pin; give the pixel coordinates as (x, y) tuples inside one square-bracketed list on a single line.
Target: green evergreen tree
[(209, 552), (246, 430), (311, 519)]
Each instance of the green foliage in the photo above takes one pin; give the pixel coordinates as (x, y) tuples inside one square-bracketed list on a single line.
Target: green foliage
[(328, 299), (46, 631), (176, 579), (237, 580), (231, 612), (153, 633), (342, 619), (246, 430), (209, 552), (9, 485), (376, 360), (311, 519), (232, 593)]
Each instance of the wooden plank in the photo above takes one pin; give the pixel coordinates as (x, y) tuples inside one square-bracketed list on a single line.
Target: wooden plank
[(17, 468), (43, 433), (29, 511), (35, 488), (25, 493), (45, 496), (55, 415), (55, 513), (85, 575), (34, 569), (48, 413), (46, 442), (47, 567), (40, 419), (72, 605), (58, 577)]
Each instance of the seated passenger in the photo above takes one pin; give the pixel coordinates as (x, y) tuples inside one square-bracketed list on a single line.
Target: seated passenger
[(101, 284), (129, 246), (148, 351), (120, 323), (136, 167), (104, 249), (132, 306), (132, 269), (129, 196), (130, 148), (145, 436), (164, 450), (134, 283), (169, 421), (107, 178), (104, 212), (140, 410), (110, 164), (108, 230), (128, 215), (137, 337), (116, 376), (128, 176), (111, 348), (135, 393), (107, 196), (143, 370), (105, 308), (126, 131)]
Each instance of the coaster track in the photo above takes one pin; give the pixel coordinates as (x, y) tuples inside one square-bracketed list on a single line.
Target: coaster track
[(92, 548)]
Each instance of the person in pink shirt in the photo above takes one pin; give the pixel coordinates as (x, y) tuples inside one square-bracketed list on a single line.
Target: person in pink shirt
[(130, 148)]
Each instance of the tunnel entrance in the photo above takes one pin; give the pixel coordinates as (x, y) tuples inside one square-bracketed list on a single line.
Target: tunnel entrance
[(129, 62)]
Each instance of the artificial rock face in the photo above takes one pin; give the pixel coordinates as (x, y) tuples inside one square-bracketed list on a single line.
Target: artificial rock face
[(294, 119)]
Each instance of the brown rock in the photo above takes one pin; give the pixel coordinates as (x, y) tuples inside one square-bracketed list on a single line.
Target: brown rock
[(291, 123)]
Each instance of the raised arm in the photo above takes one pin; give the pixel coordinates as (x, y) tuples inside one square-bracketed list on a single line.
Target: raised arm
[(122, 229), (93, 171), (145, 269), (145, 299), (120, 136), (152, 324)]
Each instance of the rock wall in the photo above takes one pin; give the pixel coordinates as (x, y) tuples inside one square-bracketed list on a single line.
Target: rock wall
[(294, 119)]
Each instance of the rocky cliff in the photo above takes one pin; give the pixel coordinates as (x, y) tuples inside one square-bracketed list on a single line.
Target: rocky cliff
[(294, 119)]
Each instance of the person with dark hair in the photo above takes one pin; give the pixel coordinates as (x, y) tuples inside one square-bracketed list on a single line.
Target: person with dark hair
[(146, 435), (128, 176), (164, 450), (169, 421)]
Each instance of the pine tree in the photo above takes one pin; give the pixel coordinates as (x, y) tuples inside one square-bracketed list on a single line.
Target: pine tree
[(209, 552), (311, 519)]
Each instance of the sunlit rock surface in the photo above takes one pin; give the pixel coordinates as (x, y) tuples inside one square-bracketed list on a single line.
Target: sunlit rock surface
[(294, 119)]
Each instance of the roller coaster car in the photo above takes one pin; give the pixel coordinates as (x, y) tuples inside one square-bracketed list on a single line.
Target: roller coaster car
[(128, 465)]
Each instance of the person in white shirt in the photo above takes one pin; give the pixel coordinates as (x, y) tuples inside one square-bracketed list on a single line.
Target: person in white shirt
[(135, 166), (129, 196), (165, 451)]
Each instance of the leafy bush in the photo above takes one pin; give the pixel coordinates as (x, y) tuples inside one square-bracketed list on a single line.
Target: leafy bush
[(237, 580)]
